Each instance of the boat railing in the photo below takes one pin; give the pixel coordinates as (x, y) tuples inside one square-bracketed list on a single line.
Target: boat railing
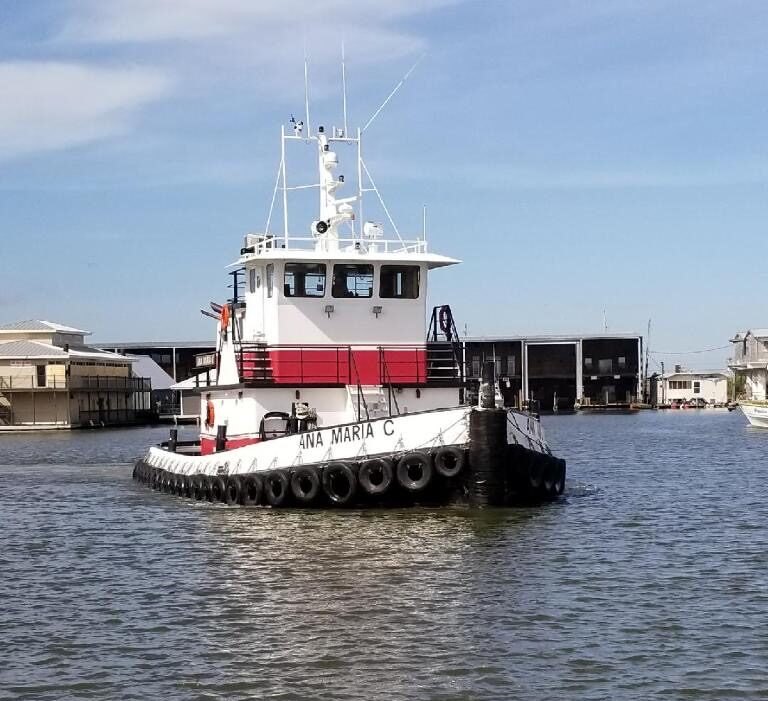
[(337, 365), (259, 244)]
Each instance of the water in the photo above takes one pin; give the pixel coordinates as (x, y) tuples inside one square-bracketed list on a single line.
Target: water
[(649, 580)]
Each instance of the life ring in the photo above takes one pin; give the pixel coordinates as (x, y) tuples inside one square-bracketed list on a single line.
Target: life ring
[(250, 494), (376, 476), (210, 414), (414, 471), (224, 317), (444, 317), (276, 488), (339, 483), (449, 461), (305, 484)]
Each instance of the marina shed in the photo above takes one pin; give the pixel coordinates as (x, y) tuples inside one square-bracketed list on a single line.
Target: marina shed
[(561, 372)]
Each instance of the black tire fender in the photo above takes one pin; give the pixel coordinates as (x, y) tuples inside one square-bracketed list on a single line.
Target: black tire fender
[(536, 469), (449, 461), (369, 472), (339, 483), (233, 488), (252, 490), (276, 488), (305, 484), (414, 471), (560, 478), (217, 489)]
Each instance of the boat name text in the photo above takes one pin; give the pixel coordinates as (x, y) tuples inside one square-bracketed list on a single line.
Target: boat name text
[(344, 434)]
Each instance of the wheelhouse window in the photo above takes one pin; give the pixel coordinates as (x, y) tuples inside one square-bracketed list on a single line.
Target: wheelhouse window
[(352, 280), (304, 280), (270, 279), (399, 282)]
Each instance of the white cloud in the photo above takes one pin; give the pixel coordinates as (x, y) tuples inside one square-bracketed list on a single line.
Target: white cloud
[(165, 20), (52, 105)]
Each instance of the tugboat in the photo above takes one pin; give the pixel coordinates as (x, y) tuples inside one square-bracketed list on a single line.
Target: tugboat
[(329, 387)]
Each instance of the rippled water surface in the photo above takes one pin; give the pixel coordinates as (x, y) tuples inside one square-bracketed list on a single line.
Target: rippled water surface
[(648, 580)]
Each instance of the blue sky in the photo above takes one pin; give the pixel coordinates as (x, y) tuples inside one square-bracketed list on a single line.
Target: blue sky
[(578, 156)]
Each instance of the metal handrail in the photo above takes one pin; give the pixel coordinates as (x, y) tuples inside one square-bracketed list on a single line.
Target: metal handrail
[(255, 363), (261, 243)]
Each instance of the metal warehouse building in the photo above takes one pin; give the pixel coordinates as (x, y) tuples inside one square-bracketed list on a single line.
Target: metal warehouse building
[(597, 371)]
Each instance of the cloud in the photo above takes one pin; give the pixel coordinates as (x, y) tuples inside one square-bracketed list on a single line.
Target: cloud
[(167, 20), (51, 105)]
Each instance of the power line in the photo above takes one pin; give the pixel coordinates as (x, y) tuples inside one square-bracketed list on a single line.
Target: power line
[(703, 350)]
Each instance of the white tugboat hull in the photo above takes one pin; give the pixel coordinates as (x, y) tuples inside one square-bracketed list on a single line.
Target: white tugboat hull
[(502, 457)]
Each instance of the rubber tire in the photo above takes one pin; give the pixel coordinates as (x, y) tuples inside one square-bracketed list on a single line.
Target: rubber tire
[(233, 487), (252, 490), (204, 488), (560, 479), (383, 465), (300, 475), (455, 457), (550, 475), (199, 488), (405, 480), (330, 474), (218, 489), (536, 470), (276, 497)]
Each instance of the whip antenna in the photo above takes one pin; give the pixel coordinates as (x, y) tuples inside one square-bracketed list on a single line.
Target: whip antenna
[(306, 91), (344, 87), (392, 94)]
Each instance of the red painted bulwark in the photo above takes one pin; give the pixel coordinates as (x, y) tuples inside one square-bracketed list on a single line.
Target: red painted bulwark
[(337, 366), (208, 445)]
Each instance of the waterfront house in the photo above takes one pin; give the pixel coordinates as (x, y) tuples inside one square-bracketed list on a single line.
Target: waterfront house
[(690, 386), (750, 360), (50, 378)]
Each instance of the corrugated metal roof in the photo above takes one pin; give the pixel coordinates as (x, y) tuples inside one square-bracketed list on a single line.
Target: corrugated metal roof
[(759, 333), (156, 344), (30, 349), (41, 325)]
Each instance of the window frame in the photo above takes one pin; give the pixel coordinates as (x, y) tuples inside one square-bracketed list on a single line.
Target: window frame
[(301, 264), (270, 279), (387, 268), (335, 287)]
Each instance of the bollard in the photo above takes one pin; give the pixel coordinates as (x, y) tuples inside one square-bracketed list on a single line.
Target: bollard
[(488, 385), (221, 438)]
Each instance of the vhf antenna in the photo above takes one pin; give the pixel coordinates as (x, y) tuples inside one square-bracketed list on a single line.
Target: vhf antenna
[(344, 87), (306, 90), (392, 94)]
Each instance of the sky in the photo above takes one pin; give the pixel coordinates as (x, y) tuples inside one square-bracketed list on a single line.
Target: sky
[(586, 160)]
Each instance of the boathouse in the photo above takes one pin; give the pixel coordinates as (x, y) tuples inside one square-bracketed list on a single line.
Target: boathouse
[(561, 372), (50, 378)]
